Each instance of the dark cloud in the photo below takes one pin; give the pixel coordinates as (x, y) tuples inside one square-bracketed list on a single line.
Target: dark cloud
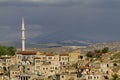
[(30, 3), (105, 4), (62, 3), (65, 19)]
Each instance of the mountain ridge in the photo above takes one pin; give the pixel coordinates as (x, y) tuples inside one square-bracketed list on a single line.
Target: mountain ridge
[(48, 44)]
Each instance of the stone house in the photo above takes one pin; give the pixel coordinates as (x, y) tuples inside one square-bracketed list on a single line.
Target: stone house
[(25, 57), (6, 61), (65, 76), (74, 56), (63, 58)]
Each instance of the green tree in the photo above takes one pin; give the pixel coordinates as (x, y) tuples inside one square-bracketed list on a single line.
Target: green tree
[(97, 51), (105, 50), (115, 77), (90, 54), (3, 50), (11, 51), (7, 50)]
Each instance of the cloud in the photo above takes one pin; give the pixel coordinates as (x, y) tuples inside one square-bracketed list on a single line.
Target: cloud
[(9, 33), (13, 33), (105, 4), (75, 18), (33, 31), (61, 3), (39, 2)]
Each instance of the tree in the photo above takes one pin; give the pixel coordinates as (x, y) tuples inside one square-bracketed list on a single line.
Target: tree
[(115, 77), (11, 51), (3, 50), (90, 54), (97, 51), (105, 50), (7, 50)]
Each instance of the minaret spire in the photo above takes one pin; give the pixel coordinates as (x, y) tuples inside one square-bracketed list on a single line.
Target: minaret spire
[(23, 34)]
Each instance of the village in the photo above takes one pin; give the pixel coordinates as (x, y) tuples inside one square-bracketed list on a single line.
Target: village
[(34, 64)]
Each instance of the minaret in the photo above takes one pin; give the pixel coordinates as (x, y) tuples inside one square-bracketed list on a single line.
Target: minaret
[(23, 34)]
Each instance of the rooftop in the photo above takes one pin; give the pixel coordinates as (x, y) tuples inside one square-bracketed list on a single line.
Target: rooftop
[(27, 52), (50, 54), (64, 54)]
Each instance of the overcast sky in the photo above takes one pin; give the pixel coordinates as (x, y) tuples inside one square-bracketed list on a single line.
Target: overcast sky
[(68, 19)]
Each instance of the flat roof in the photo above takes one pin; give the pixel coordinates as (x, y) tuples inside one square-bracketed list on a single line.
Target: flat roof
[(27, 52)]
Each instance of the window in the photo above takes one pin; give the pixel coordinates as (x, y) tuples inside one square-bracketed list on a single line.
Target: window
[(55, 68), (94, 77), (37, 67), (50, 67), (97, 77), (81, 57), (59, 58), (62, 76), (8, 64), (4, 64), (43, 57), (114, 64), (19, 57), (37, 61), (89, 77), (28, 68), (15, 72), (107, 72), (107, 65), (66, 58), (24, 58), (49, 57), (9, 60), (51, 70)]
